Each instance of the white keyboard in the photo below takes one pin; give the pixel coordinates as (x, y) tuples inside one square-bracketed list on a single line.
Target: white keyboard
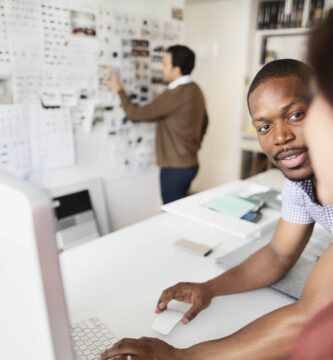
[(91, 338)]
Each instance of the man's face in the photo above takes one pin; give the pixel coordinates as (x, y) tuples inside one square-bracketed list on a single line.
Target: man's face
[(170, 73), (278, 107), (167, 67)]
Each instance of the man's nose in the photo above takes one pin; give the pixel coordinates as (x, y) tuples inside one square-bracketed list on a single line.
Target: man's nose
[(283, 133)]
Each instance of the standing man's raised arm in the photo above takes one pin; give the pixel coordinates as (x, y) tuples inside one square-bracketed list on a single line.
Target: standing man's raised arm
[(158, 108)]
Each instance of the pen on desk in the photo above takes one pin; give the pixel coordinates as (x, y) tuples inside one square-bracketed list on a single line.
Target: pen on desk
[(208, 252), (211, 249)]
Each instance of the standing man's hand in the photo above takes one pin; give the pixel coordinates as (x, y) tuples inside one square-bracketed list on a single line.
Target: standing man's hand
[(144, 348), (197, 294), (114, 83)]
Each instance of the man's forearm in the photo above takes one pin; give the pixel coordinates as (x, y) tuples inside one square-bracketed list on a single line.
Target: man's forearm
[(130, 109), (269, 337), (261, 269), (156, 109)]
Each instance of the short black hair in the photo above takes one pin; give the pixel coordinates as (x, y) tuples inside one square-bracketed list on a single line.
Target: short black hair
[(281, 68), (321, 55), (183, 57)]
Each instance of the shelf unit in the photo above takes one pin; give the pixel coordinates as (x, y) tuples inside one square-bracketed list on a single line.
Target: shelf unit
[(265, 45)]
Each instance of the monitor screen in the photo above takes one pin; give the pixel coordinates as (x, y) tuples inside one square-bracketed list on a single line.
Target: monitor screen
[(34, 322)]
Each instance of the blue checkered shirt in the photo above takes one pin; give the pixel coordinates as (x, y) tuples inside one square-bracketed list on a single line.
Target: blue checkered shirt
[(299, 205)]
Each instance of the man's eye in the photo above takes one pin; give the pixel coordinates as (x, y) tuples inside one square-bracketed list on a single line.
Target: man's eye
[(297, 116), (263, 128)]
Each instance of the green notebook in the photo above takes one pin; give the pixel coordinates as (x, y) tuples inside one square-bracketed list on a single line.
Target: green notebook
[(231, 205)]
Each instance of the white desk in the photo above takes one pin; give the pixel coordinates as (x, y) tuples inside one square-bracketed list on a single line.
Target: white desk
[(273, 178), (119, 278)]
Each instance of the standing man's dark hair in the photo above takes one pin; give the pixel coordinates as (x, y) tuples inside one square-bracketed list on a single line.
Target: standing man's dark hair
[(183, 57)]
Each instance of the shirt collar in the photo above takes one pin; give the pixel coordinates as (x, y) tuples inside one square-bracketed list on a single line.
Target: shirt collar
[(185, 79), (307, 186)]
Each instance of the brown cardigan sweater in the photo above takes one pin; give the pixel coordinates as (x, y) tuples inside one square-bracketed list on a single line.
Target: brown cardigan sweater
[(181, 119)]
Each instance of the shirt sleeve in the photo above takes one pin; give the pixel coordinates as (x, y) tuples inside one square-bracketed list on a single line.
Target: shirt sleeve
[(163, 105), (293, 205)]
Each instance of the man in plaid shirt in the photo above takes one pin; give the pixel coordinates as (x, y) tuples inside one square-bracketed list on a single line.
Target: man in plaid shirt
[(278, 100)]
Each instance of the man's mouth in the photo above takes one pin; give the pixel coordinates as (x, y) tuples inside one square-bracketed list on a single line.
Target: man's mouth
[(292, 158)]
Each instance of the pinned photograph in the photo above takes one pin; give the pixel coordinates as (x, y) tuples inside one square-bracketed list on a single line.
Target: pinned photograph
[(83, 23), (104, 75), (6, 89), (177, 13)]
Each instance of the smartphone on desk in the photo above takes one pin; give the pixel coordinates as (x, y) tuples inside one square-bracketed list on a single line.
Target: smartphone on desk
[(252, 216)]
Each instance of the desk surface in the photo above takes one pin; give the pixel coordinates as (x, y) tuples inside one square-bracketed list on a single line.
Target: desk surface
[(119, 278)]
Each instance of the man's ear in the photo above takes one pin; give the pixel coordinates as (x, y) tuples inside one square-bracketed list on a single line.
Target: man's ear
[(178, 70)]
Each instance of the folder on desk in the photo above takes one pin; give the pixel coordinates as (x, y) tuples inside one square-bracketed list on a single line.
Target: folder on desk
[(230, 205)]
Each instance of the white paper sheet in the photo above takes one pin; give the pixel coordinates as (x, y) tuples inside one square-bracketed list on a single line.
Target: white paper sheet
[(83, 116), (15, 152), (56, 37), (5, 56), (27, 85), (24, 24), (51, 135)]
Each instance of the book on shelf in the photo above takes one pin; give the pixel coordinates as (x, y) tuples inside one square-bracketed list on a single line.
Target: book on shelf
[(316, 12), (272, 14)]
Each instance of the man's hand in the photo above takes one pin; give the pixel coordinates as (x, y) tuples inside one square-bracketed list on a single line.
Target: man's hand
[(197, 294), (114, 83), (144, 348)]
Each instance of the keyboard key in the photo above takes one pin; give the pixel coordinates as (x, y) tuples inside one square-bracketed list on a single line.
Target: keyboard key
[(91, 338)]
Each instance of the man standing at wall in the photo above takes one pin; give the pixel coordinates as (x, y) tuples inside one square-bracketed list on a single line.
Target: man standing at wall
[(181, 117)]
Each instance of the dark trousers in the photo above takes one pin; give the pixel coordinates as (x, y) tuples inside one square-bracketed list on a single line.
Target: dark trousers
[(175, 182)]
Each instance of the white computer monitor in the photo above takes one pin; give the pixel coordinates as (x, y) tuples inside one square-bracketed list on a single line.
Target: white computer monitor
[(33, 315)]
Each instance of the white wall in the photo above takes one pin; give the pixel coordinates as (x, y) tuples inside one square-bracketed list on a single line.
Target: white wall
[(217, 32), (130, 199)]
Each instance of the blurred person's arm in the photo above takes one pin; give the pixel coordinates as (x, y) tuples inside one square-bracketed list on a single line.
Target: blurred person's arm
[(316, 340)]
